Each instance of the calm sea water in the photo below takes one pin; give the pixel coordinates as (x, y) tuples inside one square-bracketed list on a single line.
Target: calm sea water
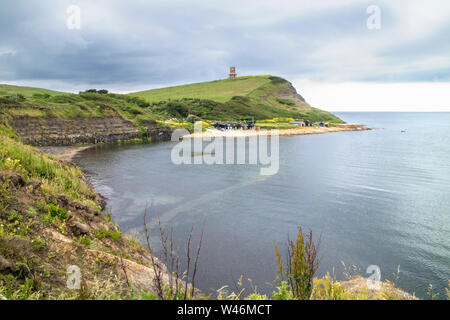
[(379, 197)]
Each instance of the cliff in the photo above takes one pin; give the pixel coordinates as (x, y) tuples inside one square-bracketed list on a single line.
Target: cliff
[(53, 131)]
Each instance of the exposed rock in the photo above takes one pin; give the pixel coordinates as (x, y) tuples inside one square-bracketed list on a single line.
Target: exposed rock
[(291, 93), (16, 179), (76, 206), (36, 184), (6, 266), (52, 131), (20, 244), (79, 228), (62, 201), (101, 200)]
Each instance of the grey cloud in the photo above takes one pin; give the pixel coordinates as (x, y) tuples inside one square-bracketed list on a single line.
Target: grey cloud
[(152, 43)]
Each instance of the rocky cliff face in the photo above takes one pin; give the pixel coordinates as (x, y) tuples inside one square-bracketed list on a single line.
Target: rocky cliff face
[(52, 131), (291, 93)]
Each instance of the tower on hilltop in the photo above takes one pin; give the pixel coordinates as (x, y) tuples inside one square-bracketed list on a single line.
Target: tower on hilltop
[(232, 74)]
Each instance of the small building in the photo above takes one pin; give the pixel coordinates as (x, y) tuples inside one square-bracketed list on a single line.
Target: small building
[(322, 124), (246, 125), (232, 74), (298, 123)]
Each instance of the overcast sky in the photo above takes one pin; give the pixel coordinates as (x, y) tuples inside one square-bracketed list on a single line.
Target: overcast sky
[(324, 47)]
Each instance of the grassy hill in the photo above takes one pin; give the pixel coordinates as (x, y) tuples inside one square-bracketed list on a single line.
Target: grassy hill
[(40, 103), (6, 89), (247, 97), (219, 90), (250, 97)]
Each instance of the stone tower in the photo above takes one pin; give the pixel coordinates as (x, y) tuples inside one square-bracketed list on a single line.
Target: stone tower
[(232, 74)]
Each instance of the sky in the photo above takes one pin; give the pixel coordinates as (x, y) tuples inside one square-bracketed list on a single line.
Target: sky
[(346, 55)]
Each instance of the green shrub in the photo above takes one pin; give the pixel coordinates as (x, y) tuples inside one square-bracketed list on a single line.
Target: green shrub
[(52, 214), (38, 243), (14, 216), (240, 99), (4, 195), (15, 98), (133, 111), (288, 102), (256, 296), (85, 240), (47, 219), (143, 295), (64, 98), (327, 288), (102, 234), (143, 131), (283, 293), (7, 100), (277, 80), (43, 96), (141, 102), (177, 109), (56, 211), (300, 266), (192, 118), (29, 290)]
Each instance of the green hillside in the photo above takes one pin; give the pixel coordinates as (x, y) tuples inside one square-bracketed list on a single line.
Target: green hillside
[(248, 97), (40, 103), (25, 91), (219, 90)]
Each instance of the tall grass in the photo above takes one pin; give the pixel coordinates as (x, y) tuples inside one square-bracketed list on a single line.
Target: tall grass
[(57, 177), (301, 264)]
